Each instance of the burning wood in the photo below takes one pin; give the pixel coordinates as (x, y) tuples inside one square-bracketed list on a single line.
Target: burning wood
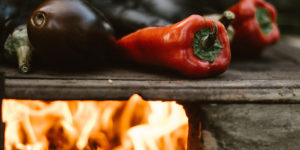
[(94, 125)]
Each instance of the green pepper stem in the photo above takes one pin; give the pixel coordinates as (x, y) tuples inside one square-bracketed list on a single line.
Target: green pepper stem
[(227, 18), (211, 38), (24, 55)]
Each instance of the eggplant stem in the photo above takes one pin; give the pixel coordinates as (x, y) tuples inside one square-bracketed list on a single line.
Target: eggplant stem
[(24, 68), (24, 56)]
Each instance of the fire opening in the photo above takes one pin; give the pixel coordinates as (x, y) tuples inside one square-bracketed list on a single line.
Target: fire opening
[(94, 125)]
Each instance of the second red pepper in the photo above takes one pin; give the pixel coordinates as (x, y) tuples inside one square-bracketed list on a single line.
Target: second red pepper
[(255, 27), (183, 47)]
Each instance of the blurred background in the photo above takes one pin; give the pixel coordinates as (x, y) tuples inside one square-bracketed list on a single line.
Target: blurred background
[(174, 10), (288, 12)]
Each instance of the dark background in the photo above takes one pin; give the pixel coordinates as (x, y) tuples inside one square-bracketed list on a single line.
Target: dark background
[(288, 11)]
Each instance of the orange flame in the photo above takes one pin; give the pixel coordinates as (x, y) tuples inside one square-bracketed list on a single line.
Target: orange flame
[(92, 125)]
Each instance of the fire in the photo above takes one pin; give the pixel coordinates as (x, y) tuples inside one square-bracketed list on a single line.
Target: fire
[(92, 125)]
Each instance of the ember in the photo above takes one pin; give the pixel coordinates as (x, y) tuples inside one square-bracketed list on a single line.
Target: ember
[(92, 125)]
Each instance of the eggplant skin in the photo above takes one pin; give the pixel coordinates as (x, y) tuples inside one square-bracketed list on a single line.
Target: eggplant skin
[(127, 20), (7, 12), (70, 33)]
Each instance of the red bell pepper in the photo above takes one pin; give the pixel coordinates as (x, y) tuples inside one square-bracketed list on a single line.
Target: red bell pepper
[(255, 27), (196, 47)]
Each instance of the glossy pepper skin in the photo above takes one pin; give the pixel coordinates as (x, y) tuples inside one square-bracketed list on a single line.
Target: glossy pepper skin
[(249, 39), (70, 33), (172, 47)]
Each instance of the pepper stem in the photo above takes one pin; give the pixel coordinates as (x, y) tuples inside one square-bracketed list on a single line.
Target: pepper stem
[(227, 18), (206, 45), (211, 38)]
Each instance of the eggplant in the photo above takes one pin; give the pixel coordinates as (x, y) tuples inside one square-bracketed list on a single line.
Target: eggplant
[(172, 10), (128, 16), (7, 14), (15, 47), (70, 33), (127, 20)]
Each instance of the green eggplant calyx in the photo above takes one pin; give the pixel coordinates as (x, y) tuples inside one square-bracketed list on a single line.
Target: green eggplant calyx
[(18, 48)]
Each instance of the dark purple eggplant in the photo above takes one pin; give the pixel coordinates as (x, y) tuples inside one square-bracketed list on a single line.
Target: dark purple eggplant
[(130, 15), (126, 20), (7, 14), (70, 33)]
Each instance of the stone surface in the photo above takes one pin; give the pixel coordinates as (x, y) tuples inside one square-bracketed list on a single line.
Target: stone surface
[(253, 126)]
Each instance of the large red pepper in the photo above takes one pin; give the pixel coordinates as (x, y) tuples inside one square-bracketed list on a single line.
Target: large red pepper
[(255, 27), (195, 47)]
